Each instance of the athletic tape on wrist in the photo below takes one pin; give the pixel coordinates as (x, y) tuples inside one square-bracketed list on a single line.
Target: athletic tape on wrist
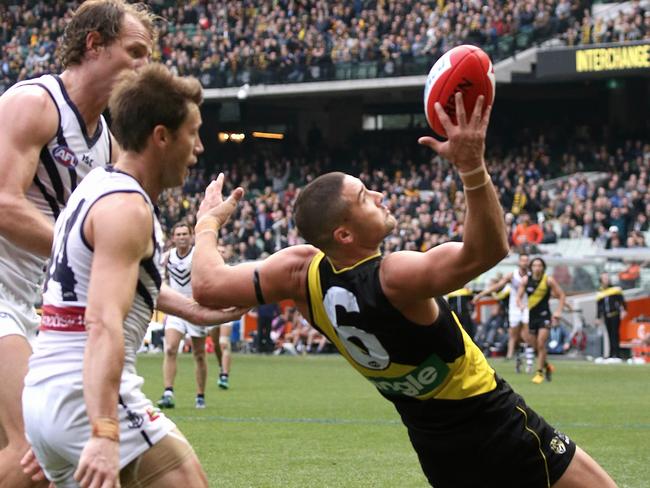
[(206, 223), (475, 178), (106, 427)]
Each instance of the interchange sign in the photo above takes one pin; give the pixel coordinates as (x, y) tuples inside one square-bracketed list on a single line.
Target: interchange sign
[(596, 61)]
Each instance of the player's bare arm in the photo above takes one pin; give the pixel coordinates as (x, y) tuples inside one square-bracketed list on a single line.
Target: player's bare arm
[(174, 303), (215, 284), (410, 275), (163, 262), (558, 293), (492, 288), (118, 227), (28, 120)]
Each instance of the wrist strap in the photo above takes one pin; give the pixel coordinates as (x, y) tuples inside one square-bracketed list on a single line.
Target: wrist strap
[(474, 179), (471, 172), (207, 231), (206, 223), (106, 427)]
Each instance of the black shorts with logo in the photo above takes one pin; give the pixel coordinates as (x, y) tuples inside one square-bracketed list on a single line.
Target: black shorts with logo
[(539, 321), (491, 440)]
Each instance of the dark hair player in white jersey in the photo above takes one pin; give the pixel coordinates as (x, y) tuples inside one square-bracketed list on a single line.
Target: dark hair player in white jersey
[(177, 263), (52, 134)]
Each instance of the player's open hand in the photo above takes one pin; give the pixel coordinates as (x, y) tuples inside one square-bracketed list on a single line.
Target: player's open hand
[(209, 316), (465, 145), (31, 467), (213, 204), (99, 464)]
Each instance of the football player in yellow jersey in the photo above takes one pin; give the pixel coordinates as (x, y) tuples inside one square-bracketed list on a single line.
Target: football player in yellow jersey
[(539, 287), (387, 318)]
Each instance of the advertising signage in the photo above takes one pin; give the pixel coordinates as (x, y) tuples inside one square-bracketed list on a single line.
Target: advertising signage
[(595, 61)]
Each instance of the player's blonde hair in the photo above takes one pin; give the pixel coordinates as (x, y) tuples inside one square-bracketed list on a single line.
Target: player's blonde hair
[(106, 18)]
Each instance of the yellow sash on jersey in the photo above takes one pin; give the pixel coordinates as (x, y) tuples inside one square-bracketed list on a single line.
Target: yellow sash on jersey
[(608, 292), (469, 375), (463, 292), (539, 294)]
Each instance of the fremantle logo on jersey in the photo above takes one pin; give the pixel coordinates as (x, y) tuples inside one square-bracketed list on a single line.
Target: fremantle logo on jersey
[(65, 156)]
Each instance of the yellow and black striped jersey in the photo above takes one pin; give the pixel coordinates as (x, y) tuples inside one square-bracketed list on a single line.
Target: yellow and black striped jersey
[(460, 301), (405, 361), (539, 294), (610, 302)]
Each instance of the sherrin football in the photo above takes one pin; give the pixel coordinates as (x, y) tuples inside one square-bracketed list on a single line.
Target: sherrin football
[(466, 69)]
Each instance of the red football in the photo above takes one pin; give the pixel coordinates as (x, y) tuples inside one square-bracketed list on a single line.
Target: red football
[(466, 69)]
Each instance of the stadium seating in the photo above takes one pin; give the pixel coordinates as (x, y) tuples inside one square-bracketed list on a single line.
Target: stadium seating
[(232, 43)]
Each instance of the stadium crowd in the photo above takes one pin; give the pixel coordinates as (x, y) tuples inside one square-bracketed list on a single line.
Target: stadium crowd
[(232, 43), (609, 206), (630, 23)]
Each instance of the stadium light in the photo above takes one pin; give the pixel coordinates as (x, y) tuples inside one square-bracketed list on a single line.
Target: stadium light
[(268, 135), (231, 136)]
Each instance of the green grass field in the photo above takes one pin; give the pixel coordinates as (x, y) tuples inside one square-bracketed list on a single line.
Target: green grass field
[(314, 421)]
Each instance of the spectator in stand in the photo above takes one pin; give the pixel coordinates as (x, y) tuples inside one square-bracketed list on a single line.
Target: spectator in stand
[(614, 240), (559, 340), (281, 327), (549, 234), (530, 231)]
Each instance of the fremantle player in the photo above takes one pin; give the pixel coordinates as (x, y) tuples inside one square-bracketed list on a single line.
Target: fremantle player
[(52, 134), (85, 414), (177, 263), (517, 306)]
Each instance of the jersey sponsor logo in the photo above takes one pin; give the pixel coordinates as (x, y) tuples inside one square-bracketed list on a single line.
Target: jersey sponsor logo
[(420, 381), (65, 156)]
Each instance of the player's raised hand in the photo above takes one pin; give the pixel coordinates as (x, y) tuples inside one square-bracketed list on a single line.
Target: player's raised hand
[(465, 145), (99, 464), (213, 204)]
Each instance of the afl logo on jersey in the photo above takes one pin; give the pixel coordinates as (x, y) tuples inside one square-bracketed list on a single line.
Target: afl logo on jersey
[(64, 155)]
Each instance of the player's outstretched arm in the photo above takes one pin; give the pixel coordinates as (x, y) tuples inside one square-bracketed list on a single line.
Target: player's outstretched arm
[(492, 288), (118, 228), (412, 275), (174, 303), (28, 120), (217, 285)]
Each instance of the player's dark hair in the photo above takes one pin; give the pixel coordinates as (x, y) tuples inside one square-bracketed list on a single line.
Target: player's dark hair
[(153, 96), (541, 260), (182, 223), (105, 17), (320, 209)]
